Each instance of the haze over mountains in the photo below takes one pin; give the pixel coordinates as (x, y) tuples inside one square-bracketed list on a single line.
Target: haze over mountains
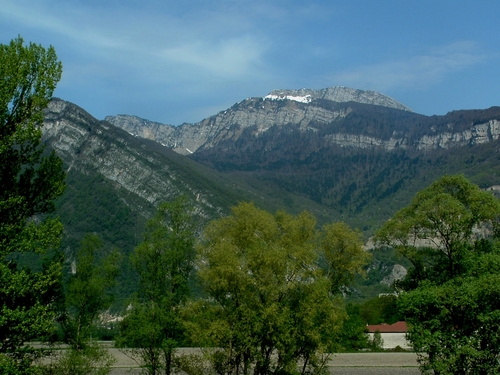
[(341, 153)]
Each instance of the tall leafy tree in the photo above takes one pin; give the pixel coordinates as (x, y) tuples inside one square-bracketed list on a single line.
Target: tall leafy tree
[(437, 227), (270, 303), (88, 290), (341, 248), (165, 262), (451, 295), (30, 180)]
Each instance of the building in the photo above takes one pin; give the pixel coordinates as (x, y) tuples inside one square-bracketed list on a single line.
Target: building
[(392, 334)]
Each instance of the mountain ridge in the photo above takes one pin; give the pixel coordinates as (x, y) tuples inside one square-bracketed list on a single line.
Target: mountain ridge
[(339, 94), (329, 107), (284, 160), (262, 112)]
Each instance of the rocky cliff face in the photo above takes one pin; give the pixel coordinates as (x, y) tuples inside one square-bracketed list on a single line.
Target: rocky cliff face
[(310, 111), (260, 113), (338, 94), (476, 134), (280, 107), (93, 146)]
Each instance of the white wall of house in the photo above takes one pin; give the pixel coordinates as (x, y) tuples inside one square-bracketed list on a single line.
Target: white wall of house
[(391, 340)]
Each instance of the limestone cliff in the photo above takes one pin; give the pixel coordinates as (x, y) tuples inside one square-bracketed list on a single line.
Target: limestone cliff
[(93, 146), (310, 110)]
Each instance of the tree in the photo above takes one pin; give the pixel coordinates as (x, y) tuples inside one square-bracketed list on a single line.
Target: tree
[(438, 225), (354, 333), (454, 326), (380, 309), (270, 303), (87, 292), (451, 295), (342, 249), (31, 179), (165, 262)]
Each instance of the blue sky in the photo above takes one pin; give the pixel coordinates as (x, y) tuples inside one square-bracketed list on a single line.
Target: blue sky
[(177, 61)]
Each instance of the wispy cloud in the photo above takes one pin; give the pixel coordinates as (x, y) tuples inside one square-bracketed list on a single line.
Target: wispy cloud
[(220, 42), (419, 71), (229, 57)]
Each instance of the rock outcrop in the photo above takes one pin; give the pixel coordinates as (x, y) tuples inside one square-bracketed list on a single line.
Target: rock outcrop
[(93, 146), (308, 110), (340, 94)]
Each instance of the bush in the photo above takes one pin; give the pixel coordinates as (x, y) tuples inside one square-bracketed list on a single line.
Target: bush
[(93, 360)]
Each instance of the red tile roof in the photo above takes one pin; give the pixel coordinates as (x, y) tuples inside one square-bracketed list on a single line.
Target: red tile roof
[(388, 328)]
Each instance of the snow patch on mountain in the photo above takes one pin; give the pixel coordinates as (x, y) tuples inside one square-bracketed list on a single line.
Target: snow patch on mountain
[(300, 99)]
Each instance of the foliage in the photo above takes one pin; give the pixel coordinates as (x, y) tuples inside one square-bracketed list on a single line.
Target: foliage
[(194, 364), (91, 360), (92, 204), (452, 300), (382, 309), (88, 290), (457, 323), (86, 293), (270, 303), (165, 261), (30, 181), (340, 247), (377, 342), (354, 335), (435, 230)]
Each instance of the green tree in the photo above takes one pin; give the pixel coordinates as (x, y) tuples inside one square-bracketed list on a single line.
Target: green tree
[(452, 295), (354, 333), (435, 230), (87, 292), (270, 303), (454, 326), (30, 179), (377, 342), (380, 309), (342, 249), (165, 262)]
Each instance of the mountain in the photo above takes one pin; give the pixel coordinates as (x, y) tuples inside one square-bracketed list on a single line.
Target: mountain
[(345, 112), (116, 180), (114, 176), (279, 107), (340, 153), (359, 154)]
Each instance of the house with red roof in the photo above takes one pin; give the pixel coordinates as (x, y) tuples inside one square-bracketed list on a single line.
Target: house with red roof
[(392, 334)]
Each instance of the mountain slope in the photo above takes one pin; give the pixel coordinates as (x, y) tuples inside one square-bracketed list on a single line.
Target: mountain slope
[(358, 154), (350, 161), (106, 163)]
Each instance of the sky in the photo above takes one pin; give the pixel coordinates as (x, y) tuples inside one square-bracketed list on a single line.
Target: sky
[(174, 61)]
